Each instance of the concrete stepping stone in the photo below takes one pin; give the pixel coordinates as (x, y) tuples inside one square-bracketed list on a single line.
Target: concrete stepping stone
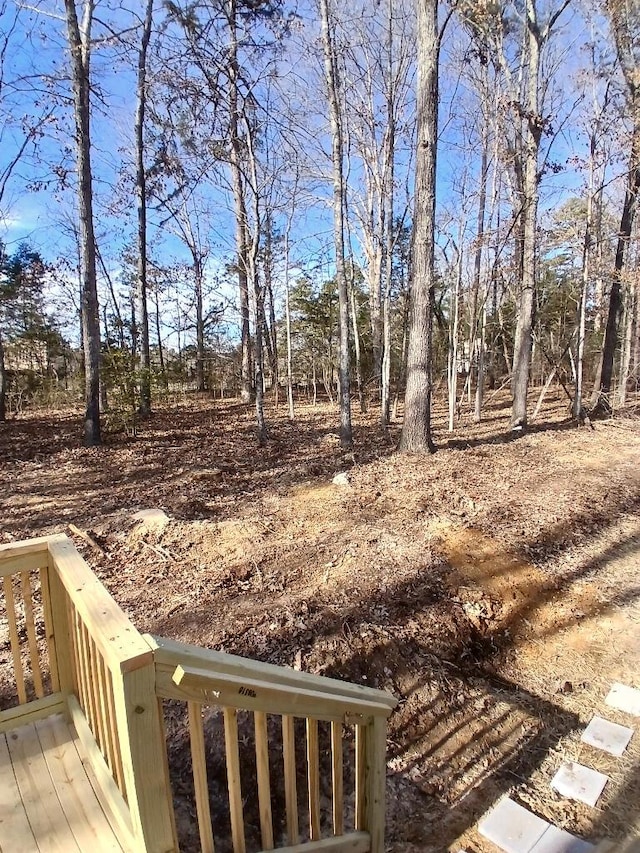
[(607, 736), (512, 827), (577, 782), (557, 840), (624, 698)]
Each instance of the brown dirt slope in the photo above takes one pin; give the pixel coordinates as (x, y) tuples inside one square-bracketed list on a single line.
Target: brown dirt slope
[(491, 587)]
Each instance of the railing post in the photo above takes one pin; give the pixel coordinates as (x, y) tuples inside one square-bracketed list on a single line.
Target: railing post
[(61, 631), (375, 782), (143, 746)]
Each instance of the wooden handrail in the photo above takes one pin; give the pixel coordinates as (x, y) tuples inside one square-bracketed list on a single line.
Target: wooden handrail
[(251, 694), (75, 651), (169, 654), (202, 677)]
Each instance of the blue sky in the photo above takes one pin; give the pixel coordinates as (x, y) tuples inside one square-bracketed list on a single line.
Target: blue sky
[(43, 218)]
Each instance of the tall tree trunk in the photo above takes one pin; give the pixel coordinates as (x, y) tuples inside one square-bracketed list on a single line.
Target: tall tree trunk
[(287, 317), (3, 384), (577, 408), (331, 78), (480, 338), (454, 324), (163, 370), (198, 274), (79, 48), (356, 342), (526, 301), (271, 337), (258, 289), (416, 429), (602, 386), (385, 391), (242, 241), (141, 192), (627, 344)]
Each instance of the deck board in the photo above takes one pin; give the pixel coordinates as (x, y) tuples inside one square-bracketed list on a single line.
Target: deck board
[(47, 803)]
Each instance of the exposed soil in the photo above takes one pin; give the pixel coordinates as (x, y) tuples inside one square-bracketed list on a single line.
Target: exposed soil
[(492, 587)]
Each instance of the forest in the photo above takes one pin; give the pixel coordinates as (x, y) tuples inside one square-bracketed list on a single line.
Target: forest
[(350, 200), (259, 259)]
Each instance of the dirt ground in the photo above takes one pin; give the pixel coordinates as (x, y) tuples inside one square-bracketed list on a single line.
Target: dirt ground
[(492, 587)]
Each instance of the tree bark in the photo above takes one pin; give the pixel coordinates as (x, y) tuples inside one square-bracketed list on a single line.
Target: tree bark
[(198, 274), (141, 192), (331, 78), (600, 401), (526, 301), (79, 48), (3, 384), (242, 241), (416, 429)]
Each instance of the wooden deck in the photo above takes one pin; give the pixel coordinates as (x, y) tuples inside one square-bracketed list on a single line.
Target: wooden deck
[(47, 800), (83, 751)]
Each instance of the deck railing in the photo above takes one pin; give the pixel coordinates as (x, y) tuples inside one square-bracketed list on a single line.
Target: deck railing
[(72, 649), (279, 696), (83, 656)]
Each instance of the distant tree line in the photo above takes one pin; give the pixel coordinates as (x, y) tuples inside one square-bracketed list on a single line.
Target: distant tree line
[(455, 255)]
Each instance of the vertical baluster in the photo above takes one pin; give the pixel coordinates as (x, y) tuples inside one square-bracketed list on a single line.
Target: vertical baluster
[(111, 715), (313, 770), (264, 784), (15, 640), (337, 778), (80, 675), (83, 673), (290, 786), (361, 769), (52, 652), (98, 699), (75, 645), (32, 641), (376, 781), (103, 688), (198, 760), (233, 779)]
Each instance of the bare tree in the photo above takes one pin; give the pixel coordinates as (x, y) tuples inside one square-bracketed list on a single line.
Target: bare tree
[(337, 147), (79, 42), (416, 428), (141, 192), (625, 22)]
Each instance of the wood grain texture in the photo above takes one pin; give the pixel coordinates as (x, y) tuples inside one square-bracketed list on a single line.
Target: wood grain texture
[(30, 627), (290, 782), (313, 779), (201, 785), (48, 822), (233, 779), (203, 685), (354, 842), (15, 831), (337, 778), (264, 783), (84, 814), (168, 654), (50, 634), (14, 639), (121, 646)]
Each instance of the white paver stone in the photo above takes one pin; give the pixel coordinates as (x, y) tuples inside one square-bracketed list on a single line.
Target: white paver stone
[(624, 698), (607, 736), (512, 827), (577, 782), (557, 840)]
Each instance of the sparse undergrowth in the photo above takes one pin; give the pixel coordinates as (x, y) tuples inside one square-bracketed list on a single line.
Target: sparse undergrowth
[(470, 583)]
